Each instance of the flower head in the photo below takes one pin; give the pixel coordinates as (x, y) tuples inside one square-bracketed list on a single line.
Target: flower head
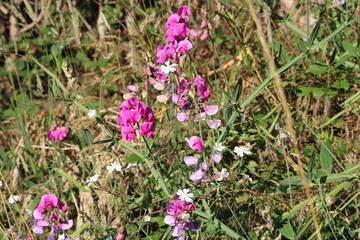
[(196, 143), (147, 218), (91, 114), (13, 198), (240, 151), (184, 195), (45, 215), (92, 179), (58, 133), (218, 147), (114, 166)]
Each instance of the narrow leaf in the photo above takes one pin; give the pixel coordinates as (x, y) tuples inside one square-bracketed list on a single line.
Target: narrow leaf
[(326, 157)]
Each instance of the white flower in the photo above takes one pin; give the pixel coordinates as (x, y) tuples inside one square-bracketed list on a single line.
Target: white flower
[(147, 218), (93, 179), (1, 183), (28, 211), (130, 165), (14, 198), (114, 166), (218, 147), (244, 175), (241, 150), (162, 98), (223, 174), (91, 114), (168, 68), (61, 237), (184, 195), (185, 217)]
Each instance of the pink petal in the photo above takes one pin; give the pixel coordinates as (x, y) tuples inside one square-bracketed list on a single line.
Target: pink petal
[(216, 123), (182, 117), (170, 220), (190, 160), (217, 157), (211, 109)]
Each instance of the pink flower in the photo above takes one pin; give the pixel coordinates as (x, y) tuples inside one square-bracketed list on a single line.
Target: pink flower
[(44, 213), (211, 109), (128, 117), (133, 88), (194, 33), (183, 11), (198, 176), (182, 117), (184, 46), (190, 160), (147, 129), (216, 123), (131, 112), (128, 132), (204, 36), (58, 133), (217, 157), (196, 143)]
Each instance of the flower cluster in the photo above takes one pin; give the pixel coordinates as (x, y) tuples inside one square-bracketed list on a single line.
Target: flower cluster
[(176, 32), (203, 95), (46, 214), (178, 214), (130, 113), (58, 133)]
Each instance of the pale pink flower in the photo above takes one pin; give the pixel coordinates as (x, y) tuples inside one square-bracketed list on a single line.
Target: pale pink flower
[(196, 143)]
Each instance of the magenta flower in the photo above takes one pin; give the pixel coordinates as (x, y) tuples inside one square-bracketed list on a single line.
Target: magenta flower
[(45, 215), (131, 112), (196, 143), (184, 46), (147, 129), (179, 217), (58, 133)]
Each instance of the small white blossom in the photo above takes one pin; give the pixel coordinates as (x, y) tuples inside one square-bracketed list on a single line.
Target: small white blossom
[(91, 114), (1, 183), (218, 147), (114, 166), (184, 195), (130, 165), (14, 198), (61, 237), (247, 177), (223, 174), (92, 179), (28, 211), (168, 68), (185, 217), (147, 218), (241, 150)]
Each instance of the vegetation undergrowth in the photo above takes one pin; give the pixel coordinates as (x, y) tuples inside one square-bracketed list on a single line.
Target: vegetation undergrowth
[(179, 119)]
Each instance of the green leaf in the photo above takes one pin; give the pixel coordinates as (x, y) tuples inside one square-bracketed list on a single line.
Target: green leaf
[(88, 137), (314, 33), (133, 158), (326, 157), (349, 47), (287, 230), (147, 200), (344, 84), (318, 68)]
